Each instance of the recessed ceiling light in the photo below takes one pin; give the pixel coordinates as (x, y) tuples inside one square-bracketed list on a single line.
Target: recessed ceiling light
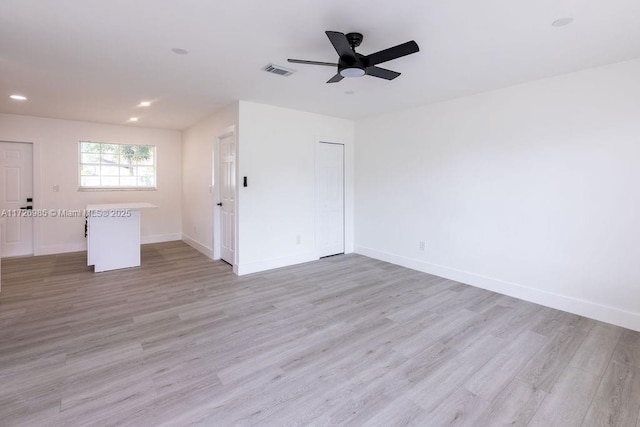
[(133, 119), (179, 51), (18, 97), (562, 22), (144, 104)]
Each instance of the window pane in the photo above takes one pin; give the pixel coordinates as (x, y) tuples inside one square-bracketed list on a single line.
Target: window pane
[(110, 148), (90, 170), (87, 181), (110, 158), (127, 171), (134, 154), (146, 181), (110, 171), (145, 162), (110, 181), (128, 181), (90, 147), (90, 158), (144, 157), (144, 171)]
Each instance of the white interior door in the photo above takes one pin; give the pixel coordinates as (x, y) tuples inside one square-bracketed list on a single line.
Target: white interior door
[(330, 199), (228, 198), (16, 172)]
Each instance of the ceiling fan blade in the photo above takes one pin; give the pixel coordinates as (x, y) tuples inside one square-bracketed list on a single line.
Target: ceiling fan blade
[(341, 44), (335, 79), (392, 53), (383, 73), (302, 61)]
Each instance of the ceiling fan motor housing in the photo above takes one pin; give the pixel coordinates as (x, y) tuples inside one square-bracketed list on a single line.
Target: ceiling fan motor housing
[(354, 39), (352, 66)]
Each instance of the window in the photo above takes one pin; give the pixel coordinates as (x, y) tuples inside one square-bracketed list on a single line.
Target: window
[(117, 166)]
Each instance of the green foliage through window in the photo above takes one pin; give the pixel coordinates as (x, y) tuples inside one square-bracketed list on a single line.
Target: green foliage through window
[(104, 165)]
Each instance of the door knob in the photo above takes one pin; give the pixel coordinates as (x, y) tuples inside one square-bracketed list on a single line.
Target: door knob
[(220, 204)]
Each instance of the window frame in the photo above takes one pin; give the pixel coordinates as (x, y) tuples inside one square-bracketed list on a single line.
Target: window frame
[(117, 188)]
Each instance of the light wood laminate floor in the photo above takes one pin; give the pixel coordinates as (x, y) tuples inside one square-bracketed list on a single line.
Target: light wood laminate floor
[(346, 340)]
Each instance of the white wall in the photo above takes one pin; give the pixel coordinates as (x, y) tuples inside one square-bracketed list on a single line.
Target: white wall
[(276, 149), (531, 191), (56, 163), (197, 200)]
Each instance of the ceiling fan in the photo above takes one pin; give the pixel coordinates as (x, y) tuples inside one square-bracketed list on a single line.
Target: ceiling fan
[(353, 64)]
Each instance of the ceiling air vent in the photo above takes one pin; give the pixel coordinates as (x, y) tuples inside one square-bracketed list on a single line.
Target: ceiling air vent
[(279, 70)]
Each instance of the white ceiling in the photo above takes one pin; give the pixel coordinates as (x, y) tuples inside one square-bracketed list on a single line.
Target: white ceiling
[(95, 60)]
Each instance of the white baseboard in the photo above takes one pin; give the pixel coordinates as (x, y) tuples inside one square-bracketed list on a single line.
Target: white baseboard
[(269, 264), (61, 249), (593, 310), (159, 238), (205, 250), (79, 247)]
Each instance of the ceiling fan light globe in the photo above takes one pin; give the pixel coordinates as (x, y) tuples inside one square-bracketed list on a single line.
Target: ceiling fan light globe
[(352, 72)]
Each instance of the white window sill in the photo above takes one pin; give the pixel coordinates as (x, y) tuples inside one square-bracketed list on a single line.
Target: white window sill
[(117, 188)]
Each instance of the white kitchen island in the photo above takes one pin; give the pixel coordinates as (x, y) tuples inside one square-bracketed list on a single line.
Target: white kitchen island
[(113, 235)]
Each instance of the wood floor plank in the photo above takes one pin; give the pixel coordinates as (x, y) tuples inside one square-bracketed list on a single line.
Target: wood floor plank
[(346, 340), (617, 400), (569, 400), (461, 408), (399, 412), (367, 386), (450, 375), (492, 378), (628, 349), (514, 406), (523, 317), (595, 352), (545, 368)]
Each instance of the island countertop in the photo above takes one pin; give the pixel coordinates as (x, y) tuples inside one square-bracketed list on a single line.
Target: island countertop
[(133, 206)]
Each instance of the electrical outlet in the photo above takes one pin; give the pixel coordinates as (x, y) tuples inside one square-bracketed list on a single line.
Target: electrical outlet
[(298, 239), (422, 246)]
